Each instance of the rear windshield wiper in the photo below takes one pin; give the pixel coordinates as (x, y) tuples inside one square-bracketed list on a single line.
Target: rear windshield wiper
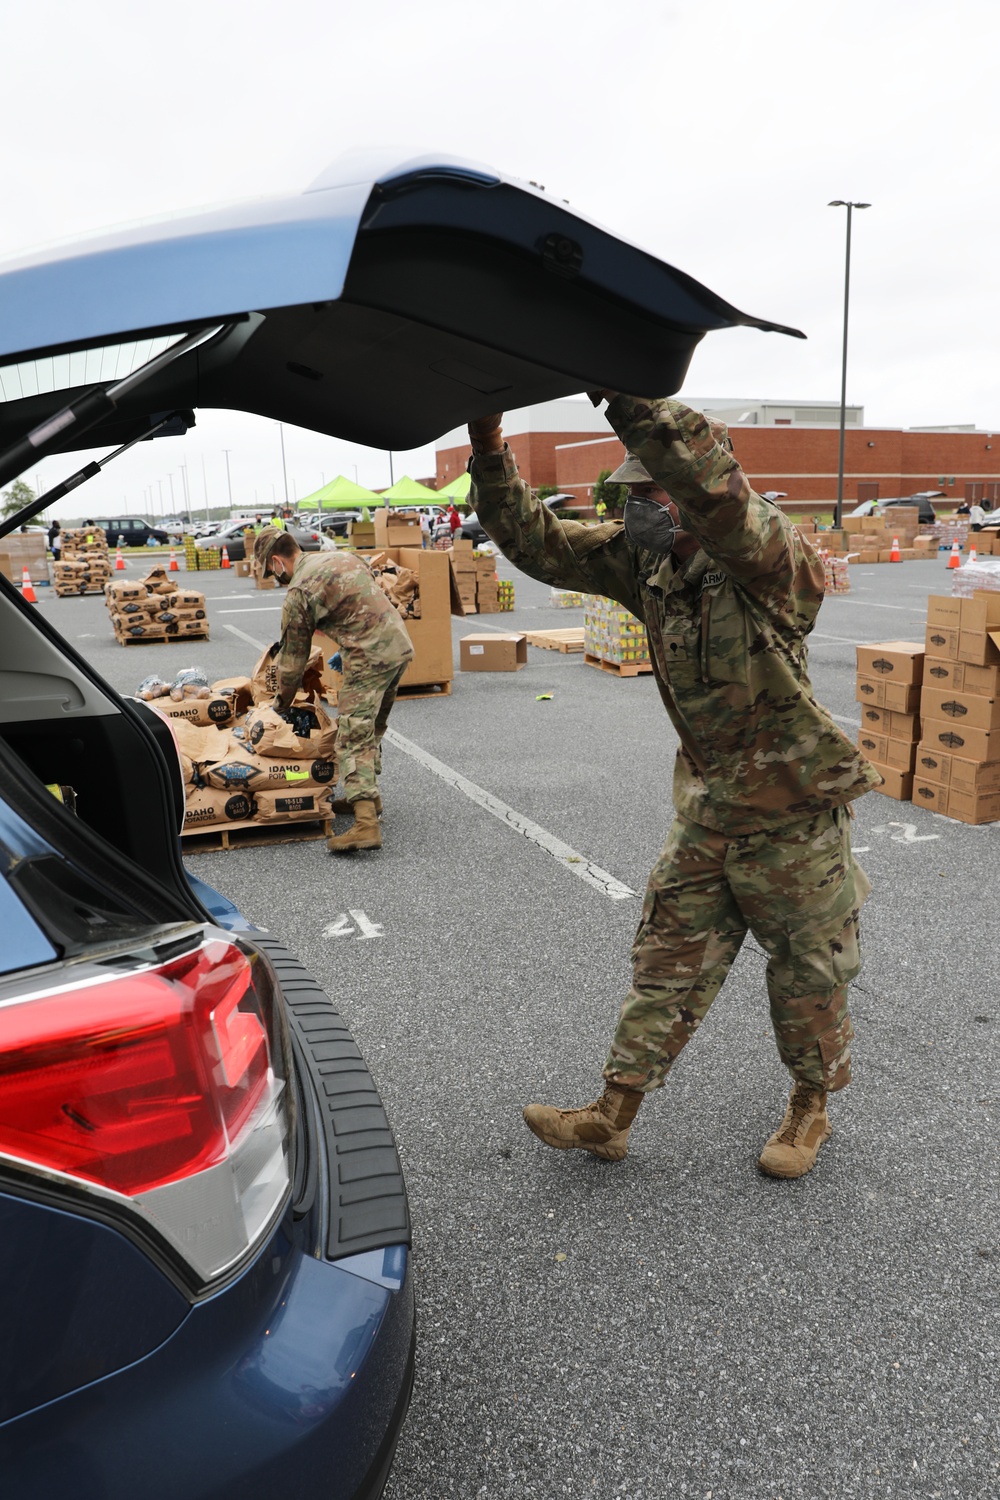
[(165, 424), (87, 410)]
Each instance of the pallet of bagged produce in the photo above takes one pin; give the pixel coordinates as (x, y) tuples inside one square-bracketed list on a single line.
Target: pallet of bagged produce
[(250, 835), (155, 610)]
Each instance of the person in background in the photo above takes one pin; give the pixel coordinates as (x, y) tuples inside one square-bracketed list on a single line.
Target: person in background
[(336, 593), (976, 516), (425, 529), (55, 540), (454, 519)]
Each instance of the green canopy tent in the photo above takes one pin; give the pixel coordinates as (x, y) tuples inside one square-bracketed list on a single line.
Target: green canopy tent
[(458, 490), (339, 494), (407, 491)]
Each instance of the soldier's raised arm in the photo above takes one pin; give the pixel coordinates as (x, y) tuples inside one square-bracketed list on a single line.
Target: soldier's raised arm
[(691, 458), (567, 554)]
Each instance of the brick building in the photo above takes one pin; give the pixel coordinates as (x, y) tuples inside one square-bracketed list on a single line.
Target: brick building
[(776, 448)]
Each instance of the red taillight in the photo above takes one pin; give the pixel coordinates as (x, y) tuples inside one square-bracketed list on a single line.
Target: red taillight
[(141, 1082)]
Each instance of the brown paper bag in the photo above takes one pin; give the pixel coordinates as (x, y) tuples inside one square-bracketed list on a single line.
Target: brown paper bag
[(267, 733), (264, 681), (291, 807), (204, 806)]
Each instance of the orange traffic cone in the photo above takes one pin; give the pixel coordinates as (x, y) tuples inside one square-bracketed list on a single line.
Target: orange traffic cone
[(119, 560), (972, 554), (894, 551), (172, 564), (954, 561), (27, 592), (225, 558)]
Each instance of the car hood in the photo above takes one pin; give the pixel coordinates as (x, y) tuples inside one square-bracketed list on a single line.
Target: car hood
[(386, 304)]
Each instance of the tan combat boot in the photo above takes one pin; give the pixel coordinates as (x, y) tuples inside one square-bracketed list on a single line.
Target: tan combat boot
[(794, 1146), (601, 1128), (364, 834), (341, 805)]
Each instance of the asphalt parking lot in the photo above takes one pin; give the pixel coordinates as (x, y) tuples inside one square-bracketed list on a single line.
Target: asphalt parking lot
[(674, 1325)]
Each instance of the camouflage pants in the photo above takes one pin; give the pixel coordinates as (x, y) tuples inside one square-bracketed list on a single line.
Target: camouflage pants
[(799, 891), (364, 704)]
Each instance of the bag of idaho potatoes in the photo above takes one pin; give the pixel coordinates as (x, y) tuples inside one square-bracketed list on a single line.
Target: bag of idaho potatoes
[(238, 766), (236, 688), (264, 682), (215, 708), (204, 806), (291, 807), (307, 733), (197, 744)]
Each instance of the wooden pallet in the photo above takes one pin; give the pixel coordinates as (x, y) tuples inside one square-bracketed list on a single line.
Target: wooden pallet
[(251, 835), (141, 640), (423, 690), (558, 640), (618, 668)]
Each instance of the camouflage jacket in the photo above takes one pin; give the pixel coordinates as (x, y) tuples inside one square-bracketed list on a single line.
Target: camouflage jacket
[(727, 627), (336, 592)]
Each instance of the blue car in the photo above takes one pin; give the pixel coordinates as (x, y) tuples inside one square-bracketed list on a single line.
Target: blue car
[(205, 1282)]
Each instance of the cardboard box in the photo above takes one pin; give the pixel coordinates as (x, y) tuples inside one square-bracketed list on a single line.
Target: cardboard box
[(898, 784), (264, 583), (875, 720), (870, 690), (973, 709), (942, 673), (430, 635), (871, 523), (931, 764), (397, 528), (242, 568), (979, 647), (904, 727), (902, 661), (922, 544), (974, 807), (873, 745), (902, 697), (961, 740), (941, 641), (974, 775), (900, 754), (493, 653), (361, 533), (868, 555), (943, 609), (929, 794), (981, 612)]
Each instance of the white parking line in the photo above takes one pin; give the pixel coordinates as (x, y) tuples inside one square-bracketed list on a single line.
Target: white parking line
[(253, 609), (907, 609), (235, 630), (575, 863)]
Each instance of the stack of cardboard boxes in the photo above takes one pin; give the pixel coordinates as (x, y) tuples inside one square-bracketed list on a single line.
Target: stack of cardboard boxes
[(487, 584), (84, 566), (24, 549), (463, 565), (155, 610), (505, 594), (958, 758), (888, 688), (870, 538)]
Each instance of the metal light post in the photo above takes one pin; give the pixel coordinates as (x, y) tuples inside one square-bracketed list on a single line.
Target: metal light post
[(284, 471), (842, 203), (229, 481)]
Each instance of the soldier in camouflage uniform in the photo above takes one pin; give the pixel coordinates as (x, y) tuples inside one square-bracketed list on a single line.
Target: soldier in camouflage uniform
[(336, 592), (728, 592)]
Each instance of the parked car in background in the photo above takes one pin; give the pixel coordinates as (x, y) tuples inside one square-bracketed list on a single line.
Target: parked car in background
[(231, 537), (922, 500), (133, 531), (472, 530)]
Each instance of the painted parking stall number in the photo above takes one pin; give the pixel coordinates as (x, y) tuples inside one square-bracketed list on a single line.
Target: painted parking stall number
[(355, 924), (907, 835)]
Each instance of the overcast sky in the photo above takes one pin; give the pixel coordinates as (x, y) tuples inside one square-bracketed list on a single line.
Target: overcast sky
[(712, 135)]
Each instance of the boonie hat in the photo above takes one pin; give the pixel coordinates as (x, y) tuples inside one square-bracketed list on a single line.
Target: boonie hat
[(630, 472), (264, 546)]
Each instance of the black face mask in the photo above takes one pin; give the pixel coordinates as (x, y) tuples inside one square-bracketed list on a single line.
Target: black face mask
[(649, 525)]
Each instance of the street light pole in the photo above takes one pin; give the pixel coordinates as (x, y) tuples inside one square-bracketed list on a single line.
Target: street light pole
[(284, 471), (229, 481), (842, 203)]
